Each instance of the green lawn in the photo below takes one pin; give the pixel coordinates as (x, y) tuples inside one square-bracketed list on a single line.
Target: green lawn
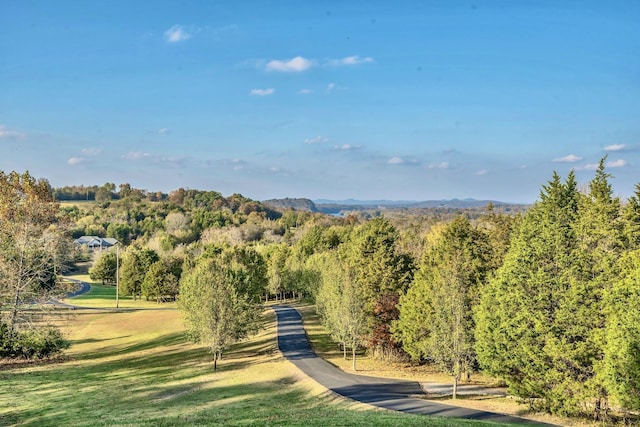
[(104, 296), (137, 368)]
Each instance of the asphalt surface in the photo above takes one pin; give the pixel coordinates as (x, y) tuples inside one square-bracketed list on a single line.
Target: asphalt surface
[(381, 392)]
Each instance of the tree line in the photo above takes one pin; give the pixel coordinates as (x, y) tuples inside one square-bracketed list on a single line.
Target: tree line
[(544, 300)]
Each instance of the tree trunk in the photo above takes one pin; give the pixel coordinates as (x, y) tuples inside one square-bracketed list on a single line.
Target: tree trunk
[(14, 312), (353, 356), (344, 350), (215, 361), (455, 387)]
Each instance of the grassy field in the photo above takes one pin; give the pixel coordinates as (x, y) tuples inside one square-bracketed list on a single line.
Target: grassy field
[(136, 368), (104, 296)]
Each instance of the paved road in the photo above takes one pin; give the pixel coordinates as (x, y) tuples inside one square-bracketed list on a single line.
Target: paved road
[(381, 392)]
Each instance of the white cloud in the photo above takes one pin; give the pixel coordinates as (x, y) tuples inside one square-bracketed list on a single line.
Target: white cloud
[(91, 151), (262, 92), (351, 60), (330, 87), (176, 34), (76, 161), (164, 131), (614, 147), (296, 65), (611, 164), (482, 172), (304, 91), (346, 147), (441, 165), (395, 161), (571, 158), (136, 155), (316, 140), (589, 167), (87, 154), (617, 163), (6, 133)]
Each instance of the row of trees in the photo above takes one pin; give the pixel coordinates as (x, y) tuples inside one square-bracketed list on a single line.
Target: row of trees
[(546, 301), (557, 321), (541, 300)]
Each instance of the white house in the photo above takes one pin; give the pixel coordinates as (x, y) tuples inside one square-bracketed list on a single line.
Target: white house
[(95, 242)]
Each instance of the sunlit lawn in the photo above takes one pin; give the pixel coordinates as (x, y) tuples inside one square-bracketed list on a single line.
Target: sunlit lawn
[(137, 368), (104, 296)]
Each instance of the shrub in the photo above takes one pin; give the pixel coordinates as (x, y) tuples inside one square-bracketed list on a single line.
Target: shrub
[(36, 343)]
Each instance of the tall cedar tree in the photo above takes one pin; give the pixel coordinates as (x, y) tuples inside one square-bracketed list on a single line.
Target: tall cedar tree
[(436, 314), (620, 370), (541, 321), (516, 317), (582, 315), (631, 215), (382, 275)]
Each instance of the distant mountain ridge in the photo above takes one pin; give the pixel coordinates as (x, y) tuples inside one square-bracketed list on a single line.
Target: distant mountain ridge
[(450, 203), (336, 206)]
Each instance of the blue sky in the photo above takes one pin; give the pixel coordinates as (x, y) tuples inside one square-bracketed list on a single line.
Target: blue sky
[(325, 99)]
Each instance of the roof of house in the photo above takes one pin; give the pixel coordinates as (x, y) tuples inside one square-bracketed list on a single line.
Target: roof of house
[(95, 241)]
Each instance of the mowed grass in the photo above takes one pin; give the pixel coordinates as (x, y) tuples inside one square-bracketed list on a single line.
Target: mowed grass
[(104, 296), (137, 368)]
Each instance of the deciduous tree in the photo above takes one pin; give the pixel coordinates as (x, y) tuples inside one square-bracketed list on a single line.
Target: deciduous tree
[(31, 249), (436, 314), (220, 301), (340, 304)]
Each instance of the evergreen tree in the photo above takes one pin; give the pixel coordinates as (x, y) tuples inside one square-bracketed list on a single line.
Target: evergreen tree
[(135, 264), (581, 316), (621, 367), (104, 269), (516, 318), (382, 275), (436, 314), (631, 218)]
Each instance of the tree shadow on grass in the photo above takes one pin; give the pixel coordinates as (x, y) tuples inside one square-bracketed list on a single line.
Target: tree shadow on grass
[(120, 350), (95, 340)]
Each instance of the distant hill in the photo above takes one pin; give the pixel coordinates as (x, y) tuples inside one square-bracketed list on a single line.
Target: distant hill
[(297, 204), (334, 207), (337, 206)]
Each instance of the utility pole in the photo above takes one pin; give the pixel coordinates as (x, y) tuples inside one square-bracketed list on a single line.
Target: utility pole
[(117, 274)]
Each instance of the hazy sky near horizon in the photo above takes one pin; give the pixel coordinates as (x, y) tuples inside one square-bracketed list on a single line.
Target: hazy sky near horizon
[(403, 100)]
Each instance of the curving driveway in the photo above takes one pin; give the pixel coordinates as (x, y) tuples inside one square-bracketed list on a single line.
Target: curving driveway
[(381, 392)]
